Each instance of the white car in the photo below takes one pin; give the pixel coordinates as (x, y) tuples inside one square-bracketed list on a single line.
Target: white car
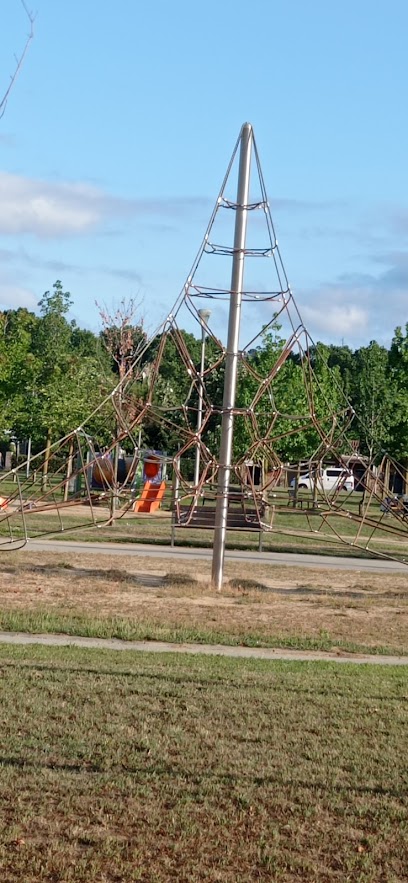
[(329, 479)]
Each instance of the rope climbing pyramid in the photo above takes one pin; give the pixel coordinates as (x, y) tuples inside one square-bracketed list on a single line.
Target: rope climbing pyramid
[(228, 417)]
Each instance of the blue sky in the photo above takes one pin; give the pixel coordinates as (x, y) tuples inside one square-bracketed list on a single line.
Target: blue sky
[(121, 124)]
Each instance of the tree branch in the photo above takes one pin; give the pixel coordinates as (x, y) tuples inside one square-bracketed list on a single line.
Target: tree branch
[(19, 59)]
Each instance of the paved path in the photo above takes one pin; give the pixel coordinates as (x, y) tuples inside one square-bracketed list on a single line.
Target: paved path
[(377, 565), (201, 649)]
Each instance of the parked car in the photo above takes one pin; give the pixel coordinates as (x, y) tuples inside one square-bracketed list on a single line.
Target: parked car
[(329, 479)]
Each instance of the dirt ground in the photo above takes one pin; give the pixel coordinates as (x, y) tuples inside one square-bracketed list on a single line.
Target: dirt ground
[(258, 600)]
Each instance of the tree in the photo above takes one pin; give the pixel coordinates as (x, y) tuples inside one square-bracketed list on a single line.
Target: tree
[(373, 397), (19, 60), (283, 414), (342, 358), (398, 382), (18, 370), (68, 380), (53, 339), (170, 384), (284, 395), (121, 337)]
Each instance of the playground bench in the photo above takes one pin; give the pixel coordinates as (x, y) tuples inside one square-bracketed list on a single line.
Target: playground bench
[(302, 503), (240, 514), (201, 517), (236, 495)]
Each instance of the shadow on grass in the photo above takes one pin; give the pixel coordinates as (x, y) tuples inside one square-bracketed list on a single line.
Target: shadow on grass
[(196, 778), (218, 680)]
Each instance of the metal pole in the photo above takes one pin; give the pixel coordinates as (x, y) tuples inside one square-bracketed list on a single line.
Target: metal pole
[(231, 363), (204, 317)]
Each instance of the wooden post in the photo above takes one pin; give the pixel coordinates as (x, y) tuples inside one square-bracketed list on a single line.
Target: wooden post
[(69, 469), (314, 498), (175, 492), (387, 470), (296, 488), (362, 502), (115, 484), (44, 480)]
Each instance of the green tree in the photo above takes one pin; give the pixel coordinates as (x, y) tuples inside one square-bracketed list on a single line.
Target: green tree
[(342, 358), (72, 375), (283, 415), (53, 339), (398, 381), (169, 364), (373, 397), (18, 370), (52, 374)]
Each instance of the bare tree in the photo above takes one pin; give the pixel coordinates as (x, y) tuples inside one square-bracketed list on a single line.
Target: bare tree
[(19, 59), (122, 338)]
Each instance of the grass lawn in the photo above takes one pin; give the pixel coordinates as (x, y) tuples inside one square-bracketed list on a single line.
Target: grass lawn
[(323, 532), (136, 597), (127, 767)]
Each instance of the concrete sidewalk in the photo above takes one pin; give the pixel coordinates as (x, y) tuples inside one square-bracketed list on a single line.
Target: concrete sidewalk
[(22, 638), (189, 553)]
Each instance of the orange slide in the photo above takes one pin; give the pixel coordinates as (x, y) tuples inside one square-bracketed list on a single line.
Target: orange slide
[(151, 498)]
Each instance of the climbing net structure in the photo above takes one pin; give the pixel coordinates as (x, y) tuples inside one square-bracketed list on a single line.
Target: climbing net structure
[(295, 468)]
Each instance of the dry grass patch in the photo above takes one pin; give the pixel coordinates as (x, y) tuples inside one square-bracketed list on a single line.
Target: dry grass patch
[(149, 596)]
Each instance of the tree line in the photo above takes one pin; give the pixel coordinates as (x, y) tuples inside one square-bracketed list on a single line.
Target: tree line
[(53, 375)]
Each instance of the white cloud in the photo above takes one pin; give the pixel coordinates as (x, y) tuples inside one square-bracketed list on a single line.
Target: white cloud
[(12, 297), (50, 209), (346, 320), (359, 306), (338, 311)]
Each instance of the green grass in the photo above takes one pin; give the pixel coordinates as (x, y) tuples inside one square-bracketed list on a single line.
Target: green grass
[(126, 767), (287, 522), (128, 629), (157, 530)]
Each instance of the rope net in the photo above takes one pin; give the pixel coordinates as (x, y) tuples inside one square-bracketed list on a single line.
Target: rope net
[(296, 469)]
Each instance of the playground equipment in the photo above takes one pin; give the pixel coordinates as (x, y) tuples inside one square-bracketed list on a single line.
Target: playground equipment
[(153, 484), (102, 470), (151, 498), (204, 423), (102, 473)]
